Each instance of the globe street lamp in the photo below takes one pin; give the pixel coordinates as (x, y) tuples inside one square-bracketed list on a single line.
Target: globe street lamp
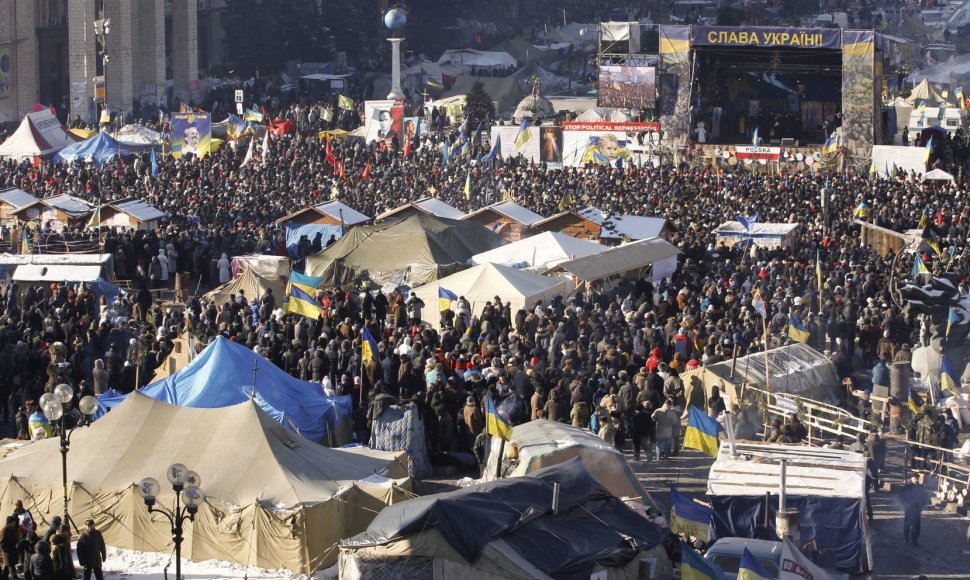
[(57, 407), (184, 481)]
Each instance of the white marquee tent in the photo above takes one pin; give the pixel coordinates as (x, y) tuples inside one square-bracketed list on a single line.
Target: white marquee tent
[(40, 134), (482, 283)]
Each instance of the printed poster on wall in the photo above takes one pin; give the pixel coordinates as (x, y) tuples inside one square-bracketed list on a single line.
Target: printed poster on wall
[(191, 133), (5, 66)]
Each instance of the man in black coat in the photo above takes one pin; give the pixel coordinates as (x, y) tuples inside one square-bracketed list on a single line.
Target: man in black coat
[(91, 551)]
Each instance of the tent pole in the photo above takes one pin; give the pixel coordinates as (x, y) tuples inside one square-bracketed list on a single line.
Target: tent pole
[(498, 460)]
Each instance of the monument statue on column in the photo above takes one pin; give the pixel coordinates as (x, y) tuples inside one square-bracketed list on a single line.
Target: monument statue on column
[(395, 19)]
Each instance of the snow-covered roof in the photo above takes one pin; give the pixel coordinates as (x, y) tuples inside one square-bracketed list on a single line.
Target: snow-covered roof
[(634, 227), (333, 209), (72, 206), (734, 228), (511, 210), (18, 198), (540, 252), (54, 273), (139, 210), (54, 259)]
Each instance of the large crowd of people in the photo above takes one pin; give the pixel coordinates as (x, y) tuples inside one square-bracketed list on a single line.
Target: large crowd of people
[(606, 358)]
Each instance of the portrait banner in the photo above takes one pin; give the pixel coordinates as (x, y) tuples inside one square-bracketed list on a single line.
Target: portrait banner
[(191, 133)]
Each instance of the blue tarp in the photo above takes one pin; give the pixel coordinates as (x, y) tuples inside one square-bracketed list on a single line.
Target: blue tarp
[(222, 375), (107, 401), (294, 231), (100, 148), (835, 523)]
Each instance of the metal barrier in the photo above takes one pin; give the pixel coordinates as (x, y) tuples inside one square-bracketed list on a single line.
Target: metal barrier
[(818, 417)]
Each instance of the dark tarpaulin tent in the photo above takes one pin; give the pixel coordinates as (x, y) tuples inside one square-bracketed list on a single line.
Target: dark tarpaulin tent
[(515, 534)]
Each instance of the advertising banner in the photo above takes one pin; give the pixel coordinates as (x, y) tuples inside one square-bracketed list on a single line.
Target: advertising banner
[(755, 153), (766, 36), (191, 133), (5, 66), (627, 87)]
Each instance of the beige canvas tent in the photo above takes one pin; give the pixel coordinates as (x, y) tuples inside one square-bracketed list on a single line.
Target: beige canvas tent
[(543, 443), (273, 498), (253, 284), (184, 349), (482, 283), (413, 250), (797, 369)]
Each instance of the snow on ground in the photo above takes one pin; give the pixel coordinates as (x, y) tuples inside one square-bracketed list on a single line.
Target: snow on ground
[(132, 565)]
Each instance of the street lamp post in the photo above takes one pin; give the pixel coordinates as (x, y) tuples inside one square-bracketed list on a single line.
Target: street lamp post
[(184, 481), (56, 407)]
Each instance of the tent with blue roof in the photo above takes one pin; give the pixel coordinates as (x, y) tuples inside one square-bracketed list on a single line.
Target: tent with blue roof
[(222, 375), (100, 149)]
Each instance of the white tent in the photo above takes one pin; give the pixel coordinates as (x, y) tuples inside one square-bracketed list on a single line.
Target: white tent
[(540, 252), (938, 175), (468, 58), (138, 135), (482, 283), (39, 134)]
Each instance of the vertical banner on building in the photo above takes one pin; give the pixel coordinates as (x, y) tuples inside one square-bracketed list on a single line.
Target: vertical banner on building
[(191, 133), (5, 65), (674, 97), (858, 84)]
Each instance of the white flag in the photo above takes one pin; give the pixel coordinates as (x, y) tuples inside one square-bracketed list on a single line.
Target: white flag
[(265, 151), (249, 153), (796, 566)]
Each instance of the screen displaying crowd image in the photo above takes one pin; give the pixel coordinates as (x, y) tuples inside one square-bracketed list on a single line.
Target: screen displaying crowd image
[(191, 133), (627, 86)]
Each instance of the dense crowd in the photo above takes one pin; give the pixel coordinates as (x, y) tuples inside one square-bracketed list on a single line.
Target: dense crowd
[(606, 358)]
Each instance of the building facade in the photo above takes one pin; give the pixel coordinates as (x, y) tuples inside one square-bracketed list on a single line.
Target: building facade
[(51, 54)]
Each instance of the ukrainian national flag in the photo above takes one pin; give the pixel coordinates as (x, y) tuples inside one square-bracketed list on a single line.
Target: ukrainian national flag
[(301, 301), (468, 184), (495, 424), (831, 145), (919, 267), (524, 134), (797, 330), (689, 517), (254, 116), (751, 568), (444, 298), (695, 567), (300, 278), (759, 304), (928, 150), (949, 379), (914, 401), (431, 82), (951, 318), (368, 346), (702, 432)]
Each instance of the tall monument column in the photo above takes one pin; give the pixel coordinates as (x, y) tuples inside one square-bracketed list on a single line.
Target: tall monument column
[(395, 20), (185, 48), (82, 54), (148, 54)]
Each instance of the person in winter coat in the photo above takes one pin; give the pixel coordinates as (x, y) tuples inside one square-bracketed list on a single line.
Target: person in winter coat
[(664, 419), (41, 565), (9, 540), (580, 414), (224, 272), (91, 551), (61, 555)]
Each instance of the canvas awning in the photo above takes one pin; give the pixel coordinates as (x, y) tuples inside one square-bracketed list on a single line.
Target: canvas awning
[(619, 260), (938, 175)]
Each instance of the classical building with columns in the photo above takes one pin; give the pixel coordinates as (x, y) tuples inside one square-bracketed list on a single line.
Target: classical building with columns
[(50, 54)]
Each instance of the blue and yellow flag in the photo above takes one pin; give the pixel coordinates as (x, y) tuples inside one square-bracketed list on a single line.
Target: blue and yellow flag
[(689, 517), (468, 184), (751, 568), (694, 567), (702, 432), (253, 116), (431, 82), (368, 346), (914, 401), (919, 267), (958, 93), (951, 318), (444, 298), (495, 153), (524, 134), (300, 300), (797, 330), (300, 278), (759, 304), (495, 424), (831, 145), (928, 150), (949, 379)]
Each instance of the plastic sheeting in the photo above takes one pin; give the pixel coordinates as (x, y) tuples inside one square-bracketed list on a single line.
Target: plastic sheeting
[(401, 429), (295, 231), (224, 373)]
